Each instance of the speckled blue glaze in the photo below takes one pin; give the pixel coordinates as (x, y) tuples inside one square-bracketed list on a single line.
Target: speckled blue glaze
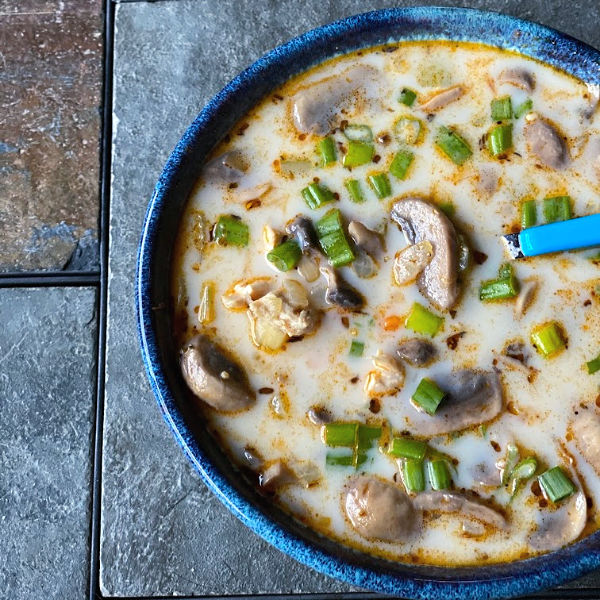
[(160, 357)]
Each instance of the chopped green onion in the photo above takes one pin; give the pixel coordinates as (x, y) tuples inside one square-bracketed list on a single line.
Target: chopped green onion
[(523, 108), (528, 214), (548, 339), (353, 187), (407, 97), (483, 430), (330, 222), (421, 320), (231, 230), (360, 133), (359, 153), (510, 462), (380, 184), (316, 195), (593, 365), (367, 435), (341, 434), (407, 448), (428, 396), (412, 475), (557, 208), (356, 348), (505, 270), (439, 475), (500, 139), (556, 485), (499, 289), (339, 460), (401, 163), (453, 145), (501, 108), (327, 150), (447, 208), (408, 130), (522, 471), (333, 239), (285, 256)]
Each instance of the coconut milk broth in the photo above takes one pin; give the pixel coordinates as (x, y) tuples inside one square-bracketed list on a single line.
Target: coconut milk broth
[(318, 369)]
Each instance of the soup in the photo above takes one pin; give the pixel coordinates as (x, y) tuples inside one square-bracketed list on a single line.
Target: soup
[(353, 332)]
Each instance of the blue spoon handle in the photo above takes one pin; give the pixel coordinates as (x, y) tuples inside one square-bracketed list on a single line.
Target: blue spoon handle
[(563, 235)]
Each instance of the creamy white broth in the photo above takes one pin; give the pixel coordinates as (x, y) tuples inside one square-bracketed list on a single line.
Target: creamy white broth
[(318, 371)]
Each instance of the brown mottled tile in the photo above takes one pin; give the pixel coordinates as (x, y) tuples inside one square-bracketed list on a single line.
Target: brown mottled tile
[(50, 95)]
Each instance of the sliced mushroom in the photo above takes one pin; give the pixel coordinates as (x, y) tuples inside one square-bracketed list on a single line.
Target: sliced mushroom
[(585, 428), (308, 268), (318, 415), (518, 77), (379, 510), (526, 296), (252, 193), (452, 502), (339, 292), (474, 397), (546, 143), (302, 229), (417, 352), (366, 239), (214, 377), (592, 101), (422, 221), (442, 99), (410, 262), (487, 180), (363, 265), (276, 475), (227, 168), (316, 106), (386, 379)]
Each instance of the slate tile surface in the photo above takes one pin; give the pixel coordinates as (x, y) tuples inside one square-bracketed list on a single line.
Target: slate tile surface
[(47, 348), (50, 85), (162, 532)]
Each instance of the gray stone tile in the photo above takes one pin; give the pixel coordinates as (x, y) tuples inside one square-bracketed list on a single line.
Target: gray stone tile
[(163, 533), (47, 373)]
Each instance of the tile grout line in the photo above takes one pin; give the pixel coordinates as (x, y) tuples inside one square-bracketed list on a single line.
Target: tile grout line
[(50, 279)]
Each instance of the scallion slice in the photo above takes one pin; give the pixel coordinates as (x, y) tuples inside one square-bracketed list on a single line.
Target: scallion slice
[(505, 270), (411, 471), (316, 195), (453, 145), (401, 163), (524, 470), (499, 289), (556, 485), (408, 130), (231, 230), (593, 365), (447, 208), (285, 256), (353, 187), (330, 222), (358, 153), (403, 447), (528, 214), (367, 434), (523, 108), (339, 460), (548, 339), (327, 151), (439, 475), (380, 184), (421, 320), (557, 208), (356, 348), (501, 108), (332, 239), (340, 434), (510, 462), (500, 139), (360, 133), (428, 396), (407, 97)]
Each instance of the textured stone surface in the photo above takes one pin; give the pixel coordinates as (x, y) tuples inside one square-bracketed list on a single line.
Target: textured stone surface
[(162, 531), (50, 84), (47, 347)]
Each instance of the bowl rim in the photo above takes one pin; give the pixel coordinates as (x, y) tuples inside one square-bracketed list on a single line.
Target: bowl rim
[(496, 29)]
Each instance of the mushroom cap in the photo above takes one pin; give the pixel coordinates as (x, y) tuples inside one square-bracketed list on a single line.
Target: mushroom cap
[(519, 77), (416, 351), (585, 428), (546, 143), (214, 377)]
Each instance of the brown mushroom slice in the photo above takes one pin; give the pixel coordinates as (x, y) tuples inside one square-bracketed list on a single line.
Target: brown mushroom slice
[(417, 352), (339, 292), (303, 230), (442, 99), (474, 397), (518, 77), (226, 168), (410, 262), (464, 507), (315, 106), (276, 475), (366, 239), (214, 377), (379, 510), (546, 143), (421, 221), (585, 429)]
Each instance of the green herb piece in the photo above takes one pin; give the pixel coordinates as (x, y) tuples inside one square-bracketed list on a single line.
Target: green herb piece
[(359, 153), (500, 139), (332, 239), (501, 108), (510, 462), (557, 208), (483, 430), (341, 434), (285, 256), (447, 208), (339, 460), (593, 365), (401, 163), (407, 97), (556, 485), (408, 130), (353, 187), (528, 214), (316, 195), (439, 475), (367, 435), (524, 470), (356, 348), (548, 339), (453, 145), (231, 230), (428, 396), (358, 133), (403, 447), (412, 474), (330, 222), (523, 108), (505, 270), (380, 184), (327, 151), (498, 289), (421, 320)]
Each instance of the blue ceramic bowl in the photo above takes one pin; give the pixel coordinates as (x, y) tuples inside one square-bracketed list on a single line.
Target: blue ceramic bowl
[(160, 355)]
